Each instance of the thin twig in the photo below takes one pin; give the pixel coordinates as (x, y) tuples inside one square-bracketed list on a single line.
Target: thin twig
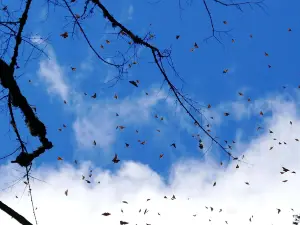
[(87, 39)]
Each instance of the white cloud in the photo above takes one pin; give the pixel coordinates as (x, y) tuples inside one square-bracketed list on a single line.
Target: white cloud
[(192, 179), (110, 77), (54, 76), (97, 125), (243, 109), (37, 39), (43, 13), (127, 14), (96, 119), (88, 64), (130, 12), (203, 116), (98, 122)]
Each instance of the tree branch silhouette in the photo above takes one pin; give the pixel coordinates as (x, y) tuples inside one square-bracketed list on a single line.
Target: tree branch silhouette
[(16, 99), (21, 219), (238, 5), (158, 57)]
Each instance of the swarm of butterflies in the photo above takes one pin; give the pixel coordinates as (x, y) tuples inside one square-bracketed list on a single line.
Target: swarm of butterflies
[(201, 145), (136, 84)]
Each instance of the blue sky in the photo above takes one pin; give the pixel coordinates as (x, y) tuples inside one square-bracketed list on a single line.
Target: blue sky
[(88, 119)]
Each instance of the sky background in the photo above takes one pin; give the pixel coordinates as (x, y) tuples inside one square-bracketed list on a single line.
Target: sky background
[(184, 171)]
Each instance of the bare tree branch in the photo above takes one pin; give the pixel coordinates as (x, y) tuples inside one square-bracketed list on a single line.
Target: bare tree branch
[(22, 220), (238, 5), (87, 39), (9, 22), (15, 98), (36, 127), (158, 57), (23, 20)]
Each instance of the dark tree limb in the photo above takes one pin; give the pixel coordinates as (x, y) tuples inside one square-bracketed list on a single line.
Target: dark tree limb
[(158, 57), (36, 127), (23, 20), (16, 99), (21, 219)]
